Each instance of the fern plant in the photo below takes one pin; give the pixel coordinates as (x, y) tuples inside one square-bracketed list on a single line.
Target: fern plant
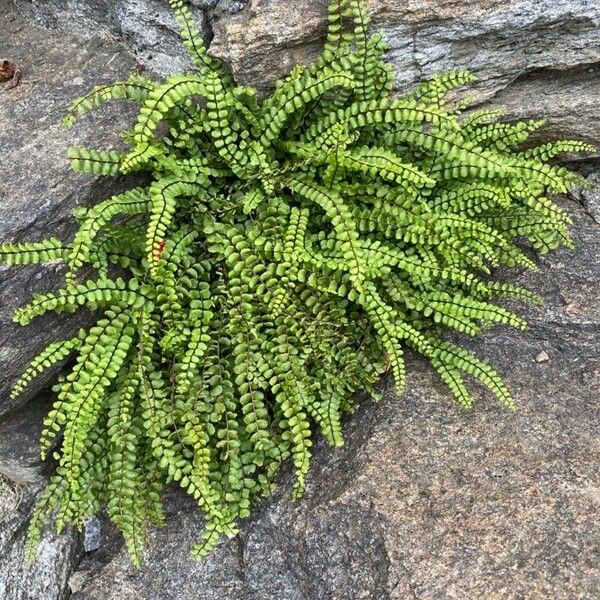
[(285, 253)]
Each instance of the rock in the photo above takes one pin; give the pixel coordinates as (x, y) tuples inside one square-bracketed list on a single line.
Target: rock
[(537, 57), (37, 189), (204, 4), (22, 477), (148, 26), (542, 357), (545, 51), (20, 431), (567, 98), (591, 197), (46, 578), (425, 500), (11, 494), (92, 534)]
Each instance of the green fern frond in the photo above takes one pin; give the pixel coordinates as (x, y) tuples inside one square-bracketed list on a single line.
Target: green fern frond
[(52, 354), (136, 88), (33, 253), (97, 162)]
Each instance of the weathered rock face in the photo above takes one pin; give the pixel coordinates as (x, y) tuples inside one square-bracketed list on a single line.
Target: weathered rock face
[(147, 26), (535, 56), (22, 477), (37, 194), (591, 198), (37, 188), (547, 51), (46, 579), (425, 500)]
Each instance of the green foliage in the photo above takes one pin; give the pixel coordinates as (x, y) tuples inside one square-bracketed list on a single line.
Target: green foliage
[(284, 255)]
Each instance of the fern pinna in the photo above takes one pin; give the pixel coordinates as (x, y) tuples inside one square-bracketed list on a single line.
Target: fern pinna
[(284, 255)]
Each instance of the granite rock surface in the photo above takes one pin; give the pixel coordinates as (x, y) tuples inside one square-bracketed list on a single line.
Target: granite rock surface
[(539, 57), (38, 191), (22, 478), (547, 51), (147, 27), (424, 501)]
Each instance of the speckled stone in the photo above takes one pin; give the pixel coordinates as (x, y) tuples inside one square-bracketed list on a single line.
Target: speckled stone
[(538, 57), (22, 477), (38, 191), (425, 500), (148, 27)]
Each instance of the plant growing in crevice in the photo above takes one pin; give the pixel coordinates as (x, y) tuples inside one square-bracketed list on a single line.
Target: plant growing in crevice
[(284, 254)]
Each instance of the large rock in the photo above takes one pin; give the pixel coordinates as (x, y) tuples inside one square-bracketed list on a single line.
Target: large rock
[(22, 477), (46, 578), (425, 500), (148, 26), (543, 51), (590, 198), (37, 189), (537, 56)]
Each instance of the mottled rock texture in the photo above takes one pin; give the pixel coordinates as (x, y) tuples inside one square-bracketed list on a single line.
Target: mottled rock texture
[(147, 26), (37, 188), (425, 501), (22, 477), (46, 579), (547, 51), (537, 56)]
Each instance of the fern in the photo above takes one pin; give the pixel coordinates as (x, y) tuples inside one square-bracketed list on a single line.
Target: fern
[(284, 255)]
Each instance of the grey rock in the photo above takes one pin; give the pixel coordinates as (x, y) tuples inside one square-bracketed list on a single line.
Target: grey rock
[(591, 198), (204, 4), (92, 534), (148, 26), (11, 493), (37, 189), (46, 578), (538, 57), (22, 477), (425, 500), (20, 430), (235, 7), (567, 98), (546, 51)]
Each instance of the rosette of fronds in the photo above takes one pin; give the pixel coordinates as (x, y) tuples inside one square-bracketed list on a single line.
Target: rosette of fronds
[(284, 255)]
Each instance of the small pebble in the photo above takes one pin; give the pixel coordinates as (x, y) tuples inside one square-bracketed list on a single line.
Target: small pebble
[(235, 7), (572, 308), (204, 4), (542, 357)]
